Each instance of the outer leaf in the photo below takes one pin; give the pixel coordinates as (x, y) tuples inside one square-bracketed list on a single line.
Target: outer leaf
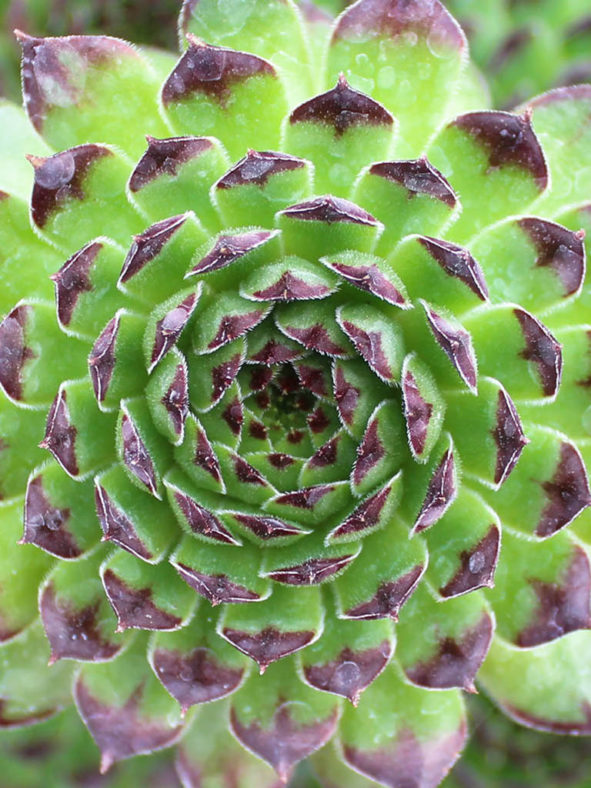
[(70, 85), (403, 744)]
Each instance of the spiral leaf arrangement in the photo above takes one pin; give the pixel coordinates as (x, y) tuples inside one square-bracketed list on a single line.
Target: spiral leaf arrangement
[(293, 333)]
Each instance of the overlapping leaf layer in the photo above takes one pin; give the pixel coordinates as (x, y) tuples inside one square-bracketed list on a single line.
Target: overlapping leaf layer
[(295, 365)]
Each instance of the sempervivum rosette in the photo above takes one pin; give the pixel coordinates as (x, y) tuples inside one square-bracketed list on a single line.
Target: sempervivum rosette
[(288, 384)]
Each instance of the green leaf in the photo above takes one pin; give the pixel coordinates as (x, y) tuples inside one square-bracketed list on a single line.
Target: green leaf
[(407, 197), (71, 84), (497, 165), (401, 734), (348, 656), (140, 524), (551, 476), (174, 176), (442, 644), (78, 620), (194, 664), (32, 691), (289, 620), (77, 433), (145, 596), (381, 45), (35, 355), (124, 696), (561, 119), (75, 186), (331, 225), (379, 582), (21, 570), (284, 722), (557, 699), (228, 106), (540, 592), (259, 185), (341, 131), (57, 516), (271, 29), (213, 571)]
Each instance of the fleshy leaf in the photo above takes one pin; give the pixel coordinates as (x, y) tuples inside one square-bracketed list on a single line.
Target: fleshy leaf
[(70, 84), (497, 163), (167, 397), (216, 91), (30, 690), (77, 433), (194, 664), (541, 589), (307, 563), (223, 319), (159, 258), (271, 29), (447, 651), (265, 634), (491, 414), (532, 262), (332, 225), (57, 517), (432, 488), (407, 197), (441, 272), (145, 596), (378, 583), (72, 187), (566, 109), (379, 44), (20, 432), (259, 185), (375, 338), (197, 458), (214, 572), (111, 361), (424, 407), (286, 722), (402, 735), (140, 524), (125, 708), (559, 699), (142, 451), (20, 573), (84, 294), (531, 363), (464, 546), (76, 616), (167, 323), (349, 656), (552, 477), (31, 341), (371, 274), (292, 279), (26, 260), (208, 750), (310, 505), (341, 131), (174, 176)]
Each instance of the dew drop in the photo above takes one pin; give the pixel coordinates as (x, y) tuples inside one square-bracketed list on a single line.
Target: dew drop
[(476, 562)]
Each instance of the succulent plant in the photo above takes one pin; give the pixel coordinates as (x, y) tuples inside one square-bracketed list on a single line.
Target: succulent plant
[(526, 46), (274, 383)]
